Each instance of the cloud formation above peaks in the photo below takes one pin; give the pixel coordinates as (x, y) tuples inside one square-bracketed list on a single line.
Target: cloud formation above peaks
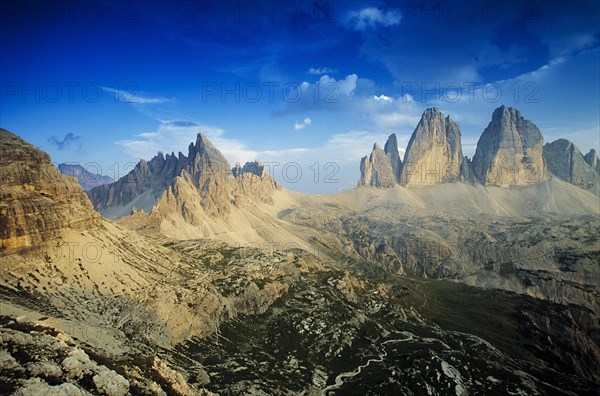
[(373, 17)]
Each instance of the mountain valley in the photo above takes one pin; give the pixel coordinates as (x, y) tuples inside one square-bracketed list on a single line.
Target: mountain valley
[(437, 274)]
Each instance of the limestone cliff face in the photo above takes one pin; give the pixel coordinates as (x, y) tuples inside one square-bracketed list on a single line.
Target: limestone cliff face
[(203, 177), (434, 152), (391, 151), (510, 151), (377, 171), (382, 168), (592, 159), (564, 160), (36, 201)]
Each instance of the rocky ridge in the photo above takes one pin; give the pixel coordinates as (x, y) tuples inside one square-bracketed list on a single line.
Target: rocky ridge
[(39, 358), (36, 202), (564, 160), (198, 194), (86, 179), (204, 168)]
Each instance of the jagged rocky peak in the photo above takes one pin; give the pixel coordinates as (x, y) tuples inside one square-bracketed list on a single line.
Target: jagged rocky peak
[(199, 184), (564, 160), (204, 149), (592, 159), (391, 151), (434, 152), (377, 169), (144, 185), (509, 151), (37, 201)]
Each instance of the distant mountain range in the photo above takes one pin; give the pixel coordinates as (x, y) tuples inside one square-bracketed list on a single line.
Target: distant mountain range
[(88, 180), (510, 152)]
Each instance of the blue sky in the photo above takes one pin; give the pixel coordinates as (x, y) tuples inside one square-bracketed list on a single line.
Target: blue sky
[(303, 85)]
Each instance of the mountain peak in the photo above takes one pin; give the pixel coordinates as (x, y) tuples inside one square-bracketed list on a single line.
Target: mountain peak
[(564, 160), (431, 112), (203, 176), (380, 169), (202, 140), (592, 159), (434, 152), (509, 151), (205, 149), (504, 112), (86, 179), (391, 151)]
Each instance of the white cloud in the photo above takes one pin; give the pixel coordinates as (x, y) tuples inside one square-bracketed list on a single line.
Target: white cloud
[(170, 136), (389, 112), (354, 96), (353, 145), (396, 119), (134, 97), (176, 136), (321, 70), (326, 93), (301, 125), (383, 98), (372, 17)]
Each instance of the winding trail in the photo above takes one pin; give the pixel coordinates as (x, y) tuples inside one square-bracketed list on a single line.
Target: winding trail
[(339, 380)]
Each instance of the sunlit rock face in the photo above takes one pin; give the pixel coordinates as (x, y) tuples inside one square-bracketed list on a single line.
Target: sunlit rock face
[(36, 201), (209, 184), (510, 151), (564, 160), (382, 167), (434, 152)]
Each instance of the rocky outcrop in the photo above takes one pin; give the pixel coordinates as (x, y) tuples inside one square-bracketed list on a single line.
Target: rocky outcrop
[(382, 168), (86, 179), (564, 160), (510, 151), (434, 152), (391, 151), (62, 367), (376, 170), (592, 159), (36, 201)]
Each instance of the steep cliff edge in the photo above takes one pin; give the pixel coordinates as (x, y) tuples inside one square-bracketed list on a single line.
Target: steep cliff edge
[(36, 201), (382, 168), (434, 152), (509, 151), (564, 160)]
